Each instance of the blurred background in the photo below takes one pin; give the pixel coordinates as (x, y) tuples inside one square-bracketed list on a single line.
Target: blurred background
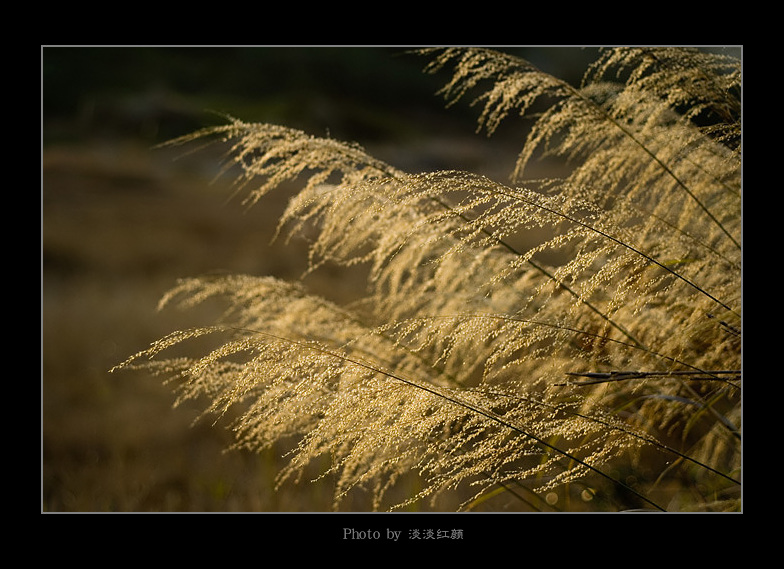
[(122, 220)]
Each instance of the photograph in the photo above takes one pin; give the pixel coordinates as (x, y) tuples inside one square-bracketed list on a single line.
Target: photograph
[(327, 280)]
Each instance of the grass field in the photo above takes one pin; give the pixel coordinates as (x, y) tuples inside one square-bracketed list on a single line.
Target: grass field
[(124, 218), (121, 222)]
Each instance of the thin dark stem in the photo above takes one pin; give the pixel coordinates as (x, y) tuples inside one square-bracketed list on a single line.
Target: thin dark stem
[(610, 376)]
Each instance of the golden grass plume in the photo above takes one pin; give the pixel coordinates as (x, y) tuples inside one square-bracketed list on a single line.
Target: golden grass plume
[(475, 360)]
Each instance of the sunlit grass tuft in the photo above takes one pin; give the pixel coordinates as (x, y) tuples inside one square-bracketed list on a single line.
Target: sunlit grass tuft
[(482, 365)]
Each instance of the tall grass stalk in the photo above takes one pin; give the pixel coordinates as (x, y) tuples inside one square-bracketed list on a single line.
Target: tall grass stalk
[(600, 363)]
